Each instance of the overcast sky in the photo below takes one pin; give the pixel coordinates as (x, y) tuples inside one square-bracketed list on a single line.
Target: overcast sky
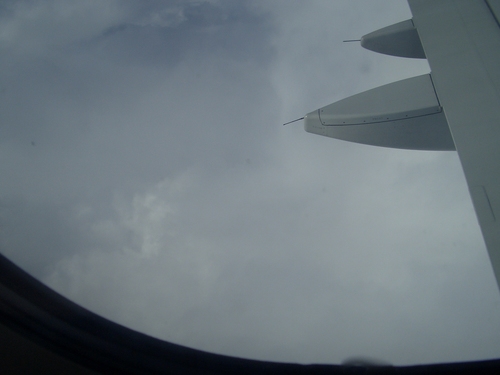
[(145, 174)]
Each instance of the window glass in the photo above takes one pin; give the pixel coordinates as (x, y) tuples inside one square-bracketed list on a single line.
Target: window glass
[(145, 174)]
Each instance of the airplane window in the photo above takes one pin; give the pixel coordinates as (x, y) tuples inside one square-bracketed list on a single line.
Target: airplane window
[(145, 175)]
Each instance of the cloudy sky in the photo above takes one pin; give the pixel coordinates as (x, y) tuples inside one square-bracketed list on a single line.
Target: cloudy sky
[(145, 174)]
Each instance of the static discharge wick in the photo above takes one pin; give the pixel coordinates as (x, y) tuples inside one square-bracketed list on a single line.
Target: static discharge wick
[(289, 122), (351, 40)]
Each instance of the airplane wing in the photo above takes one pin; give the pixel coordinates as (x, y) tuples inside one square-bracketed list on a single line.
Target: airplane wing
[(457, 106), (461, 40)]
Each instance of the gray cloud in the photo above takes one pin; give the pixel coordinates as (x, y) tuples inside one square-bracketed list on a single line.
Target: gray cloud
[(146, 176)]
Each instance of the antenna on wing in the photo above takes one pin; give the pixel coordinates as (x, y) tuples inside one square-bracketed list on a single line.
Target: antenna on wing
[(289, 122)]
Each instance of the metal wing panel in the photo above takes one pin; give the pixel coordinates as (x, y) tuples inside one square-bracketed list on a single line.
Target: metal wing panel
[(404, 114), (461, 39)]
